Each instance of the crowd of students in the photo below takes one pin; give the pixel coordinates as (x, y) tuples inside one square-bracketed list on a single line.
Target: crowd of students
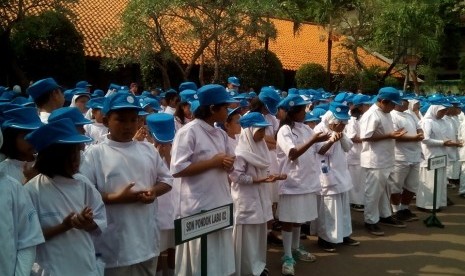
[(91, 183)]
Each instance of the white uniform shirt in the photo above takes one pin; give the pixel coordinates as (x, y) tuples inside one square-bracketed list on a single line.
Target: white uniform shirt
[(170, 110), (13, 168), (96, 131), (336, 161), (72, 252), (252, 203), (409, 152), (44, 116), (380, 154), (451, 127), (194, 142), (461, 136), (19, 224), (433, 143), (352, 130), (133, 234), (302, 173)]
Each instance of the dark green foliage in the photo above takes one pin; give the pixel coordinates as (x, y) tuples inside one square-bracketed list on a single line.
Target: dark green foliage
[(311, 75), (49, 45)]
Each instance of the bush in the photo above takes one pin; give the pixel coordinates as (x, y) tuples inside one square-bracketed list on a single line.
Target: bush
[(311, 75)]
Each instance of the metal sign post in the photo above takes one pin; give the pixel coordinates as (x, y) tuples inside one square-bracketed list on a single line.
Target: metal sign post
[(200, 225), (435, 163)]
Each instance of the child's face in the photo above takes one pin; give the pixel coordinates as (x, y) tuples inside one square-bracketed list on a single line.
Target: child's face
[(26, 151), (259, 135), (98, 116), (122, 124), (233, 127), (187, 110), (221, 114), (81, 103), (300, 115), (337, 127)]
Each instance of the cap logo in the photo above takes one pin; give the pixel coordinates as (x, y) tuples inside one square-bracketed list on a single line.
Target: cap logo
[(291, 103), (338, 109), (130, 99), (195, 96), (401, 94), (231, 93), (344, 103)]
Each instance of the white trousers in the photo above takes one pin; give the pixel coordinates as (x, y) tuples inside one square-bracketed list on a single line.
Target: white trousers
[(426, 189), (377, 202), (250, 248), (334, 221), (357, 193)]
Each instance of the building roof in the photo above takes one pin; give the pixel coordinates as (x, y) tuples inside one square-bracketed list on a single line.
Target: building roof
[(95, 19)]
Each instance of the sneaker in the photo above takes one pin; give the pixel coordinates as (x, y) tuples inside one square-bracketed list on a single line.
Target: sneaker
[(302, 255), (357, 207), (265, 272), (405, 215), (374, 229), (288, 265), (350, 241), (326, 245), (274, 240), (391, 221)]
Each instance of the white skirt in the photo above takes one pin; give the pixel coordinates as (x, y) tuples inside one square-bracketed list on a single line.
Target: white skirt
[(220, 255), (426, 189), (250, 247), (297, 208), (334, 221), (357, 193), (166, 239)]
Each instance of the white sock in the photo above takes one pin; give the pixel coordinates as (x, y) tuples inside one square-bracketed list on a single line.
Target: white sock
[(295, 237), (395, 208), (287, 241), (403, 207)]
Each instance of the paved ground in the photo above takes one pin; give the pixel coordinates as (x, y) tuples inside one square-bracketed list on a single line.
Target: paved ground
[(415, 250)]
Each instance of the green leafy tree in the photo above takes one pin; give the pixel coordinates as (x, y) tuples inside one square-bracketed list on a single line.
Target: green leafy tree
[(13, 12), (48, 44), (311, 75)]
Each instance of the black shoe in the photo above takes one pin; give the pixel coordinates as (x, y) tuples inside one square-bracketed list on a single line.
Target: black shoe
[(357, 207), (374, 229), (391, 221), (350, 241), (326, 246), (462, 195), (273, 239), (276, 226), (450, 202), (405, 215), (265, 272)]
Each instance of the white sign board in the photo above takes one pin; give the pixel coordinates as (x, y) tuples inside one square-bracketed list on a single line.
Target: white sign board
[(437, 162), (192, 227)]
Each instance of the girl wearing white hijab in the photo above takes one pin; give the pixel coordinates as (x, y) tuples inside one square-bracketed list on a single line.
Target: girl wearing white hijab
[(414, 109), (250, 194), (433, 145)]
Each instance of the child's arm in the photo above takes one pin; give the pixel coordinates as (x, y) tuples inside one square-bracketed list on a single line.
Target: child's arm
[(125, 195), (220, 160), (295, 153), (61, 228)]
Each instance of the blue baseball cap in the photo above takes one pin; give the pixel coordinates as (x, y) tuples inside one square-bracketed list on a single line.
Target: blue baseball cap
[(120, 100), (252, 95), (212, 94), (153, 103), (194, 105), (22, 118), (234, 81), (59, 132), (309, 117), (161, 125), (292, 91), (72, 113), (344, 98), (188, 85), (41, 87), (231, 111), (438, 99), (340, 111), (83, 84), (95, 103), (114, 86), (253, 119), (360, 99), (270, 98), (291, 101), (318, 112), (23, 101), (7, 96), (68, 94), (390, 94), (188, 95), (98, 93)]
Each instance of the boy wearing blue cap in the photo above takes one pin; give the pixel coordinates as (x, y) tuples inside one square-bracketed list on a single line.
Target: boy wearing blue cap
[(202, 159), (20, 227), (70, 208), (161, 126), (377, 158), (47, 95), (172, 99), (130, 180), (334, 223), (251, 197), (97, 130)]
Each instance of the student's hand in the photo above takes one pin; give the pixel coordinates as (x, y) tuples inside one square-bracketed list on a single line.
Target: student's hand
[(67, 221), (450, 143), (336, 136), (228, 162), (320, 137), (164, 150), (29, 172), (223, 161), (126, 195), (398, 133), (83, 220), (147, 197), (141, 134), (419, 137)]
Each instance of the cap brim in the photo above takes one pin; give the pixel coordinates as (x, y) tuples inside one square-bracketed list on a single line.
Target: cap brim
[(163, 138), (396, 102), (342, 117), (23, 126), (75, 139), (83, 122), (261, 125)]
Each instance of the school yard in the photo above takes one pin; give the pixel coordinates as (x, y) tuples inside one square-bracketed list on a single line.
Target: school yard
[(415, 250)]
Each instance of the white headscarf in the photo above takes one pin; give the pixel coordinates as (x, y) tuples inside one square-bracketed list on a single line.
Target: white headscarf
[(431, 114), (255, 153), (416, 115)]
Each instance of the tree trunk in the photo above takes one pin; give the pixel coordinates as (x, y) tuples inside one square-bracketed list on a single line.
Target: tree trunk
[(416, 84), (328, 62), (164, 74), (406, 79), (201, 71)]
